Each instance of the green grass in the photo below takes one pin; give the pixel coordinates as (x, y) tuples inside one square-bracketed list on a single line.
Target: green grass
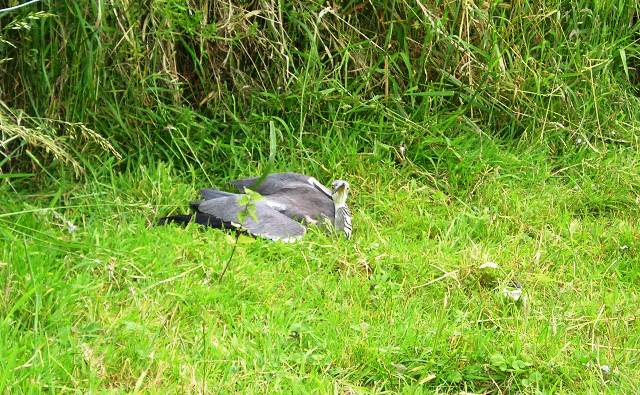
[(520, 120), (404, 306)]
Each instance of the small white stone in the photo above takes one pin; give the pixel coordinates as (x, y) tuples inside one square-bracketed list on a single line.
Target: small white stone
[(489, 265), (514, 294), (71, 227)]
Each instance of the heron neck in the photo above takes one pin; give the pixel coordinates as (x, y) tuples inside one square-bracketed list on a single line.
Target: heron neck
[(339, 214), (342, 220), (339, 200)]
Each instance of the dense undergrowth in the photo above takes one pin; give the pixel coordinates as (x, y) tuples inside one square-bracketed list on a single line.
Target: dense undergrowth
[(494, 134), (199, 82)]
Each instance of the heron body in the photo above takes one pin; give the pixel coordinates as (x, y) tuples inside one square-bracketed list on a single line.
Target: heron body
[(225, 212), (304, 197), (288, 199), (268, 222), (276, 182)]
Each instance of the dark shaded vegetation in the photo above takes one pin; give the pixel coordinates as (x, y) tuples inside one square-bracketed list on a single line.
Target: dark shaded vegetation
[(199, 82)]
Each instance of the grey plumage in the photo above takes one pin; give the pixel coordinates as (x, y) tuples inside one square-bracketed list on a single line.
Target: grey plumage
[(271, 224), (304, 198), (276, 182), (288, 199), (208, 194), (343, 221), (223, 210)]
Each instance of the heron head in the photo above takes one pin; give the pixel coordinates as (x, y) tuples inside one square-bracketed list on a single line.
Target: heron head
[(339, 192)]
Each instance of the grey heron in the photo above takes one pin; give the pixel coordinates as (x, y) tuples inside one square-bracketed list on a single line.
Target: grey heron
[(304, 198), (288, 199)]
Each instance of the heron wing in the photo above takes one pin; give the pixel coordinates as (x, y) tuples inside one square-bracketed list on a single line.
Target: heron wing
[(303, 203), (277, 181), (319, 186), (209, 193), (269, 223)]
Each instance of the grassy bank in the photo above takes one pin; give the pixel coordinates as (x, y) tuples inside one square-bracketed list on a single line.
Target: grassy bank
[(520, 181), (196, 84), (404, 306)]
